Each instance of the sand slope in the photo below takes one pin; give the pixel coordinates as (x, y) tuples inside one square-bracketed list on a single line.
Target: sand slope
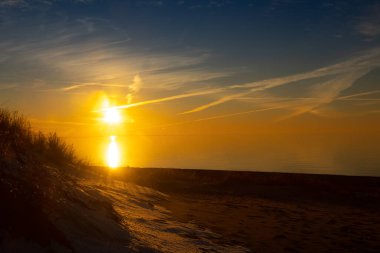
[(163, 210), (152, 226), (273, 212)]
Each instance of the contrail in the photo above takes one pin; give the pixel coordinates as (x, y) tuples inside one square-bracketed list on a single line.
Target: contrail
[(219, 101), (211, 118), (239, 113), (346, 67), (83, 85), (153, 101), (77, 86), (328, 92), (359, 94)]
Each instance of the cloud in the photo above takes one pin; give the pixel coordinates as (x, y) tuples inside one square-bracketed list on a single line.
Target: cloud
[(8, 86), (339, 76), (368, 25), (84, 85), (325, 93), (31, 3), (358, 95), (59, 54), (165, 99), (151, 3), (239, 113), (95, 54), (222, 116), (179, 78), (134, 88), (366, 61), (369, 29), (13, 3), (217, 102)]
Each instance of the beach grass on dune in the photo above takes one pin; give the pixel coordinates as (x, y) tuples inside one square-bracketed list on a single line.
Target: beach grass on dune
[(18, 142)]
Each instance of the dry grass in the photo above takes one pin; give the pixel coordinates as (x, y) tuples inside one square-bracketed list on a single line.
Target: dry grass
[(18, 143), (37, 171)]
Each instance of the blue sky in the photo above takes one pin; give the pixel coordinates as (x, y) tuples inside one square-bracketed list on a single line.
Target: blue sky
[(217, 58)]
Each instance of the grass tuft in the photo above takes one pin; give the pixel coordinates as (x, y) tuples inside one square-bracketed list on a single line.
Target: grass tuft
[(19, 144)]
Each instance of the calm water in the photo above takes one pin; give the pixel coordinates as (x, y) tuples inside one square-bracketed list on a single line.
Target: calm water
[(347, 154)]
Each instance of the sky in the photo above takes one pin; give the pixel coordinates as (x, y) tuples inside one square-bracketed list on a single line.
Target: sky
[(190, 68)]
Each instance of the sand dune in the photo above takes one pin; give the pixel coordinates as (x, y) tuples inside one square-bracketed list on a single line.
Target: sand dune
[(151, 225), (169, 210), (270, 212)]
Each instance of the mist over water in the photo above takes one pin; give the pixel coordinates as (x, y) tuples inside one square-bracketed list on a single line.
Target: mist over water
[(344, 154)]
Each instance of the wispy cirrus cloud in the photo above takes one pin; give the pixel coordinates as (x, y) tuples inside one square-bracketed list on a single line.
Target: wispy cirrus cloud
[(24, 3), (165, 99), (102, 59), (340, 77), (134, 88), (368, 24), (8, 86), (364, 62), (13, 3), (93, 53), (358, 95), (325, 93), (85, 85)]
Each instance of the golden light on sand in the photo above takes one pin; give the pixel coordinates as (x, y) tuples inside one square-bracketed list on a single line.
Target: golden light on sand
[(112, 116), (113, 153)]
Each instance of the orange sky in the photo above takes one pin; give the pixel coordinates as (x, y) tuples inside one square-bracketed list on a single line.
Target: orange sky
[(179, 75)]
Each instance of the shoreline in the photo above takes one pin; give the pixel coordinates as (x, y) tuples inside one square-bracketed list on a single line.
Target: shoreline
[(361, 191), (270, 212)]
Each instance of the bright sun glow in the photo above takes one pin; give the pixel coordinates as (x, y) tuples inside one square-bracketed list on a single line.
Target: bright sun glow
[(112, 116), (113, 153)]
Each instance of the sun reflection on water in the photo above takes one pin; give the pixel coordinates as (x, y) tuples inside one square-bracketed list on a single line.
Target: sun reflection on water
[(113, 153)]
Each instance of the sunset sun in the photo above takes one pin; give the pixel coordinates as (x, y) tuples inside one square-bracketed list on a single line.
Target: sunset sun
[(112, 116)]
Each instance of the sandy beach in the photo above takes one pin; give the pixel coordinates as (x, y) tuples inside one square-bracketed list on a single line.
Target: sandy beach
[(257, 212), (175, 210)]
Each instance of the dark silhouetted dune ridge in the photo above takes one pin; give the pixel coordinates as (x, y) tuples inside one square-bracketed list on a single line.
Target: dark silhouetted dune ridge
[(43, 209), (352, 190)]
